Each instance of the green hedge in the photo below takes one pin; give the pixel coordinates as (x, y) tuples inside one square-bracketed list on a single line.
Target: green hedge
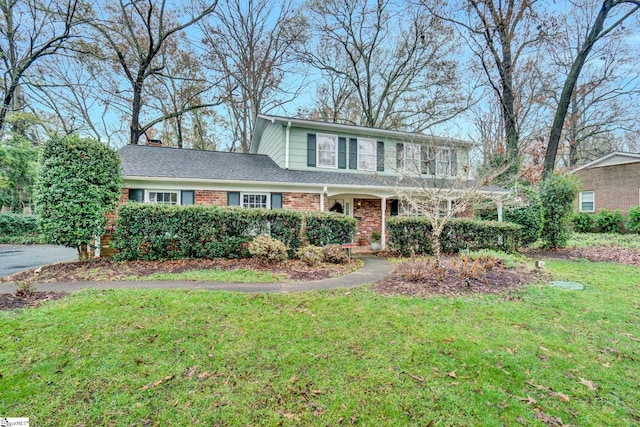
[(413, 234), (19, 229), (633, 221), (152, 232), (324, 229)]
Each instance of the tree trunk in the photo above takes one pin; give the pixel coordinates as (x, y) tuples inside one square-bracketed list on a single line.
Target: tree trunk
[(83, 253), (569, 86), (135, 111)]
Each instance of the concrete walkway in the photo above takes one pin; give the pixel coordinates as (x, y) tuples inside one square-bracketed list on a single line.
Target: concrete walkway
[(373, 270)]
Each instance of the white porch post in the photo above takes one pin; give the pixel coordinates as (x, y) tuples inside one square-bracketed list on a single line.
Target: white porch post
[(383, 232), (499, 203), (322, 202)]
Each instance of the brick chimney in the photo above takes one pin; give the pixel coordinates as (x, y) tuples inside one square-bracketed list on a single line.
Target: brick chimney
[(154, 142)]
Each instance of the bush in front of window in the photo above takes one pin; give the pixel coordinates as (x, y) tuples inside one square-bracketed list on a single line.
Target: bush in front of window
[(412, 235), (633, 222), (328, 228), (268, 250), (583, 222), (154, 231), (608, 221)]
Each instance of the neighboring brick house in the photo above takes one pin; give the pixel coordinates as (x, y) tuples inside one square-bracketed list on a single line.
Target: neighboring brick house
[(302, 165), (610, 182)]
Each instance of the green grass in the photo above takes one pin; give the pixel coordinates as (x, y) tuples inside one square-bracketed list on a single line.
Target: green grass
[(138, 357), (217, 275), (590, 240)]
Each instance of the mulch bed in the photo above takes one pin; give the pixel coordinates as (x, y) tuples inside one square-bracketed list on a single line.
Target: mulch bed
[(497, 280), (13, 301)]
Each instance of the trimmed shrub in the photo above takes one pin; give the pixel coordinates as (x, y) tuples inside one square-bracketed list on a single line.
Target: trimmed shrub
[(334, 254), (19, 229), (267, 249), (633, 222), (529, 216), (608, 221), (326, 228), (412, 235), (557, 194), (583, 222), (152, 231), (311, 255)]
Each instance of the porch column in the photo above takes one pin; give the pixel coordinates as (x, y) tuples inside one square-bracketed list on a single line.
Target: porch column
[(499, 203), (383, 232)]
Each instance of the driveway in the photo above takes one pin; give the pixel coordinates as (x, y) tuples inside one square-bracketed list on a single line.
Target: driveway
[(15, 258)]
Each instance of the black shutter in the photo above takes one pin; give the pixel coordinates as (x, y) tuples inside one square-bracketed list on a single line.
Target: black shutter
[(233, 198), (187, 197), (342, 152), (394, 207), (136, 195), (380, 157), (311, 149), (425, 165), (432, 160), (353, 153), (276, 200), (454, 163), (399, 156)]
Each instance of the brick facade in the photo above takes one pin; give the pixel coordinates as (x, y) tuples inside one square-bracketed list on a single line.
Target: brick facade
[(211, 197), (614, 187), (301, 202)]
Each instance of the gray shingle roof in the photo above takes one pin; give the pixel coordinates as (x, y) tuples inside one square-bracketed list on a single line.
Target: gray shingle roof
[(167, 162)]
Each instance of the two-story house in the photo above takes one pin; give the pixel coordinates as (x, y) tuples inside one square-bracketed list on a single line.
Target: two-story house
[(303, 165)]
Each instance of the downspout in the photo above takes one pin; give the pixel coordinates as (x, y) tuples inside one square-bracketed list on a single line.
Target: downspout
[(383, 232), (499, 203), (322, 194), (286, 145)]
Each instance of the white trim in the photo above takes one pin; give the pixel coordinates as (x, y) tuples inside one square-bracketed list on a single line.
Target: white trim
[(383, 232), (251, 193), (287, 135), (178, 194), (593, 201), (334, 138), (633, 158)]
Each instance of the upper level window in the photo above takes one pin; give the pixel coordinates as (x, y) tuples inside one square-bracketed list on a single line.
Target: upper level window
[(367, 150), (255, 201), (412, 155), (443, 162), (327, 151), (163, 197), (587, 201)]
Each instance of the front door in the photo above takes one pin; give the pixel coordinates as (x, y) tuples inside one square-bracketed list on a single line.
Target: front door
[(340, 205)]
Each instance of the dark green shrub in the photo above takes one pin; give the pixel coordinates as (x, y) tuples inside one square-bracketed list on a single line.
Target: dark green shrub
[(151, 232), (633, 222), (19, 229), (312, 255), (583, 222), (557, 195), (334, 254), (325, 228), (267, 249), (608, 221), (412, 235)]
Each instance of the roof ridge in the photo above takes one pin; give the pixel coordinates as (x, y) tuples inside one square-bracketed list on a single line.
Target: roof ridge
[(191, 149)]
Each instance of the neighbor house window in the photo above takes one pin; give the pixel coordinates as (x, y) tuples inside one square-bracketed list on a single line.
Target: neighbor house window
[(367, 150), (412, 157), (327, 151), (443, 162), (255, 200), (587, 201), (163, 197)]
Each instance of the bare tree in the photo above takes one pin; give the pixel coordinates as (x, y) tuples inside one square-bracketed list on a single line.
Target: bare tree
[(610, 17), (394, 58), (503, 37), (132, 36), (601, 107), (249, 46), (29, 32)]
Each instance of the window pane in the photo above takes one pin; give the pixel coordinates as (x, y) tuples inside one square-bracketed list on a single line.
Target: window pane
[(412, 155), (587, 201), (254, 200), (443, 163), (327, 150), (166, 198), (367, 154)]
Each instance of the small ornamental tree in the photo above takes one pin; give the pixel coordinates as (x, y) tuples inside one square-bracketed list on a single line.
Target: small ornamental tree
[(79, 183), (557, 194)]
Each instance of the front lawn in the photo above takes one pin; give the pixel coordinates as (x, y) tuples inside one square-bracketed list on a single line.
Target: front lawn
[(543, 356)]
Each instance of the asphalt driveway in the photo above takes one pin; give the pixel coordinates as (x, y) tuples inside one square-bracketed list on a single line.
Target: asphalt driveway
[(15, 258)]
